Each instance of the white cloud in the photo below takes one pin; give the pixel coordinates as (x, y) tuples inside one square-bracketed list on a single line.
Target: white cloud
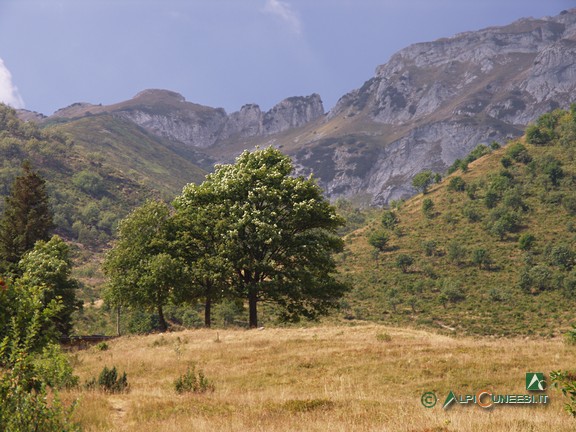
[(8, 91), (284, 11)]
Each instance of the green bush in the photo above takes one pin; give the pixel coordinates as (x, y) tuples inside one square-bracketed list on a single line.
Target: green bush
[(457, 184), (471, 212), (403, 262), (430, 247), (378, 240), (566, 382), (89, 182), (192, 382), (481, 258), (519, 153), (526, 241), (389, 219), (456, 252), (428, 208), (109, 382), (506, 161)]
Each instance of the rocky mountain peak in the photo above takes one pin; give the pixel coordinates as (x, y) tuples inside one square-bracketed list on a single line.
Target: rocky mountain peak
[(433, 102)]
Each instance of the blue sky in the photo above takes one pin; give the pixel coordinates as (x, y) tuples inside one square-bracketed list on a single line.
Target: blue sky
[(221, 53)]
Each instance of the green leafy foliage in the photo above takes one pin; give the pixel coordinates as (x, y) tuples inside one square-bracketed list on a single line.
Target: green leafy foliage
[(423, 180), (49, 265), (193, 382), (457, 184), (565, 381), (428, 208), (144, 266), (276, 232), (379, 240), (31, 367)]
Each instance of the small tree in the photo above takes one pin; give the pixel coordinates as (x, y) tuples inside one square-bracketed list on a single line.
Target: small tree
[(199, 240), (144, 266), (457, 184), (403, 262), (378, 240), (456, 252), (49, 265), (428, 208), (481, 258), (423, 180), (526, 241), (389, 219)]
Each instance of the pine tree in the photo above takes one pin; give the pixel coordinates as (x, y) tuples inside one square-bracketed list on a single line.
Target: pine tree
[(27, 217)]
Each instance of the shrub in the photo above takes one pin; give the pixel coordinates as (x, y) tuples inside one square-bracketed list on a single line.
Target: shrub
[(457, 184), (566, 382), (537, 278), (430, 247), (562, 256), (471, 212), (491, 199), (519, 153), (192, 382), (481, 258), (506, 161), (538, 135), (403, 262), (451, 292), (389, 219), (383, 337), (89, 182), (513, 199), (526, 241), (552, 167), (378, 240), (423, 180), (110, 382), (428, 208), (456, 252)]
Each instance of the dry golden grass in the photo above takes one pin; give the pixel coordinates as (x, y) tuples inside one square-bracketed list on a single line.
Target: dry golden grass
[(337, 378)]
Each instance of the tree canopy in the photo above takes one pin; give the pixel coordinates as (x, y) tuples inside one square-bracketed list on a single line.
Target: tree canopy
[(143, 265), (277, 233)]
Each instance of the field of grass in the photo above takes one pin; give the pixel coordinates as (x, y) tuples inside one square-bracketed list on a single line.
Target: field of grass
[(327, 378)]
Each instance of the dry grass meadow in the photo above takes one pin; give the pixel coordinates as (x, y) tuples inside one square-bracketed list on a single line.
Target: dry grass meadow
[(334, 378)]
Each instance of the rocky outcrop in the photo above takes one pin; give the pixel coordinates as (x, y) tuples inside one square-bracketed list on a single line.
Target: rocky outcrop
[(167, 114), (436, 101)]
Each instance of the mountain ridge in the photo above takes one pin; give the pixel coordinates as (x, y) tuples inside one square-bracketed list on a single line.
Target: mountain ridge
[(430, 104)]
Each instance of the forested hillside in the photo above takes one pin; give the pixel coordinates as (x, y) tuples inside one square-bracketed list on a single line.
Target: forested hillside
[(97, 169)]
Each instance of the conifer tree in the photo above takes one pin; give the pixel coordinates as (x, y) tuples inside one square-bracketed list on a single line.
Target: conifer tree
[(27, 217)]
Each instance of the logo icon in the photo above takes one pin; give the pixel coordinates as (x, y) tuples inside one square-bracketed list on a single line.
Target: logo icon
[(451, 398), (535, 381), (429, 399)]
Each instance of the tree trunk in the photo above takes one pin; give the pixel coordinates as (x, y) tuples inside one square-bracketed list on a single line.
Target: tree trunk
[(207, 311), (163, 325), (118, 321), (252, 303)]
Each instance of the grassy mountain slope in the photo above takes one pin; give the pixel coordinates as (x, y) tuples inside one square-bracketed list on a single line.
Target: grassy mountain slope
[(97, 169), (123, 146), (494, 255)]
